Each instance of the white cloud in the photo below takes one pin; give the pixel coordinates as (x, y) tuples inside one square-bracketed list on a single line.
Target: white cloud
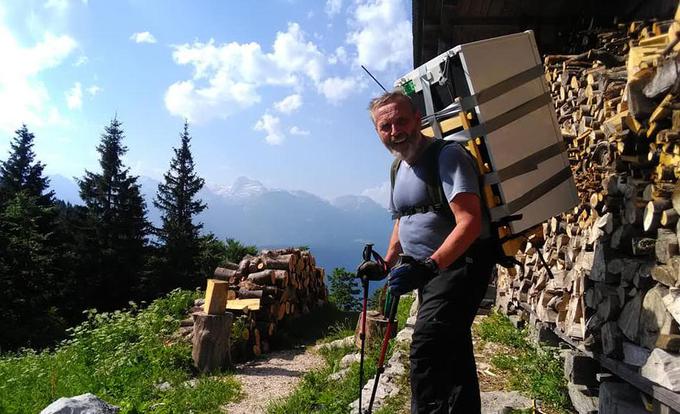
[(333, 7), (57, 5), (23, 97), (292, 51), (60, 6), (143, 37), (74, 97), (94, 90), (298, 131), (382, 34), (340, 56), (81, 60), (272, 126), (226, 77), (379, 194), (289, 104), (336, 89)]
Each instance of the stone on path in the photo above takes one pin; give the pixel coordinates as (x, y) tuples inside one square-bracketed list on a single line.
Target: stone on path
[(494, 402), (81, 404)]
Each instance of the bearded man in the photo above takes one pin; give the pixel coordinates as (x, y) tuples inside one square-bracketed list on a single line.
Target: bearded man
[(433, 249)]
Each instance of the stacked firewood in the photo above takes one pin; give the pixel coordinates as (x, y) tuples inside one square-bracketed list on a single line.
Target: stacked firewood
[(608, 273), (265, 289)]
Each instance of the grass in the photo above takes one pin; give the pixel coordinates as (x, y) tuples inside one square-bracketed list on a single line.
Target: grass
[(316, 393), (121, 357), (535, 371)]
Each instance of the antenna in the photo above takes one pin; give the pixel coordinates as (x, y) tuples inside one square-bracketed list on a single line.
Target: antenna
[(373, 77)]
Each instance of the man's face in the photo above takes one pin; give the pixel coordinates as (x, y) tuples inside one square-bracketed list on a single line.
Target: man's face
[(398, 128)]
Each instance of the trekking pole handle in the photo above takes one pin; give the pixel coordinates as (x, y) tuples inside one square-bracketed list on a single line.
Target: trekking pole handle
[(368, 251)]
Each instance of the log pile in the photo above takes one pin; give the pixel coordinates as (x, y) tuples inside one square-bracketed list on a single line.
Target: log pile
[(607, 274), (263, 290)]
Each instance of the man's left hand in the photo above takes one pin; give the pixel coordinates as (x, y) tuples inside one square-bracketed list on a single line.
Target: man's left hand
[(411, 274)]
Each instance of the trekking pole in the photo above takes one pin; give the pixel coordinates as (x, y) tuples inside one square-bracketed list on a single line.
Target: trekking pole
[(381, 360), (368, 250)]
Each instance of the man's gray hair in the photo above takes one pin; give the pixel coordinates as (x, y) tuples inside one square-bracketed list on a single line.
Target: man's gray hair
[(387, 97)]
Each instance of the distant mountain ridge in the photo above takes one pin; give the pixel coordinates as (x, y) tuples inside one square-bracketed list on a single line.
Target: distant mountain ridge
[(253, 214)]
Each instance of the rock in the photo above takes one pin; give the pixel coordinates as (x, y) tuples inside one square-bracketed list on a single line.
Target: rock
[(496, 401), (81, 404), (388, 385), (663, 368), (338, 343), (337, 376), (348, 359), (414, 307), (584, 399), (164, 386)]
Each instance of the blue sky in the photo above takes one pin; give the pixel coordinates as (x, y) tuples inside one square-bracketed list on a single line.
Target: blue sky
[(272, 90)]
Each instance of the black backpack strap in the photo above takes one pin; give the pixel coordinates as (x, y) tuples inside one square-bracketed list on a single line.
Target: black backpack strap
[(393, 177), (435, 191)]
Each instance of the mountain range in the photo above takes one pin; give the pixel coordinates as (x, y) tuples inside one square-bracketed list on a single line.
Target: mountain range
[(247, 211)]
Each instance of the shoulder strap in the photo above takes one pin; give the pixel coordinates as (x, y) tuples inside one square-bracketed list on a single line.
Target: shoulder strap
[(435, 191), (433, 181)]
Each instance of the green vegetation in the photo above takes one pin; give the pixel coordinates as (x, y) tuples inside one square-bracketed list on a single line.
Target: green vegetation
[(319, 394), (122, 357), (343, 290), (536, 371)]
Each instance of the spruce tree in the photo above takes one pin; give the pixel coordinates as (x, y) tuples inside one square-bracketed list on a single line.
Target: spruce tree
[(179, 235), (117, 216), (30, 287), (21, 172)]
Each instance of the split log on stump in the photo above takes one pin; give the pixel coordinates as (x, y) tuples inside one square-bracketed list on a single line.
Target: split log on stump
[(375, 328), (654, 318), (666, 245), (663, 368), (215, 297), (210, 341)]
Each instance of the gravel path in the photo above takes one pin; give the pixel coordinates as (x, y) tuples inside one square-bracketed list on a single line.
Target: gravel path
[(272, 377)]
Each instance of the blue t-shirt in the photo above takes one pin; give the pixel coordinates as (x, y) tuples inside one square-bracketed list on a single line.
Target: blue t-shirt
[(422, 233)]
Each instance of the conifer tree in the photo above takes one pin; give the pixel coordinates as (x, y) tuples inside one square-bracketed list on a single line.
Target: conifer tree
[(176, 198), (29, 287), (21, 172), (117, 215)]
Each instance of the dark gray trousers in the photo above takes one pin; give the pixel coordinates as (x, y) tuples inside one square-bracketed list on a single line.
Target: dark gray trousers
[(443, 370)]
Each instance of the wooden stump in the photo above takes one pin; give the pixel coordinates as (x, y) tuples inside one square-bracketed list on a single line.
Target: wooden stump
[(375, 328), (211, 341)]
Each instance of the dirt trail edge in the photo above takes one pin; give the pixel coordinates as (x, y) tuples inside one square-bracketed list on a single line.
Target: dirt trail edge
[(272, 377)]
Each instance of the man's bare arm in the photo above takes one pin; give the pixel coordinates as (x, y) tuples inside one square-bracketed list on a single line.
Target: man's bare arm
[(466, 209), (394, 247)]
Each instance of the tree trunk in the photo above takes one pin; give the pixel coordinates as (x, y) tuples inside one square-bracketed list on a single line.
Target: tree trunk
[(211, 342)]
